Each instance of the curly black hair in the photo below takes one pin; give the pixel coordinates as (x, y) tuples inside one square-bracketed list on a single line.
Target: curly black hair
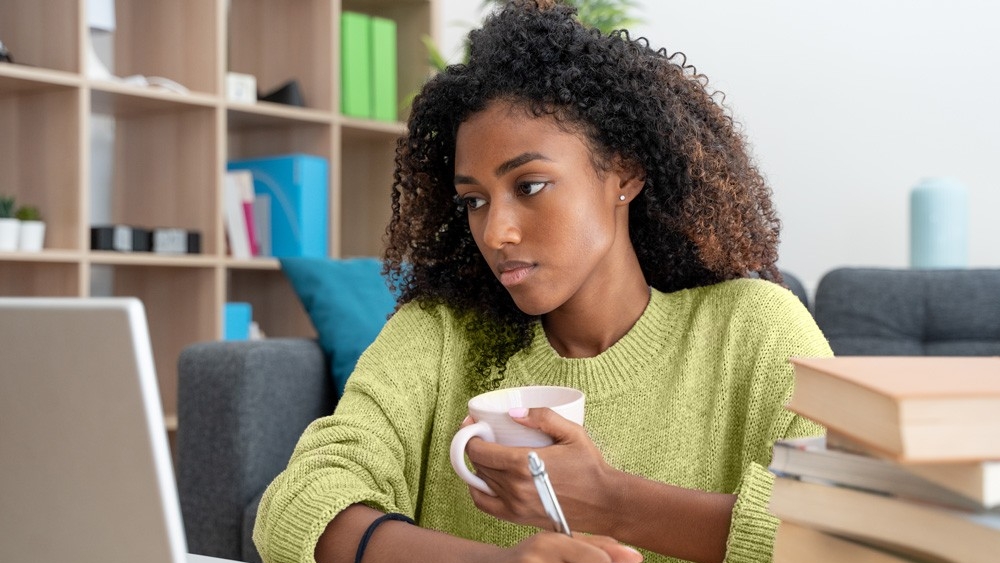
[(703, 216)]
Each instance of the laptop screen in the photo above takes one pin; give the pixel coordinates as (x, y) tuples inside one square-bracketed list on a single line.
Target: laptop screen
[(85, 471)]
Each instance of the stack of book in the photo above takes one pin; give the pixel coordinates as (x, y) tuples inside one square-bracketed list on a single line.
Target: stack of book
[(909, 470)]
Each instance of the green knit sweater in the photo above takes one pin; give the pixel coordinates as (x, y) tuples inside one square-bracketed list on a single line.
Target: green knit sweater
[(692, 395)]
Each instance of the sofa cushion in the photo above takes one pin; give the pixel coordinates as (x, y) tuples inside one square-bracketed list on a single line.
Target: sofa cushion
[(348, 302), (900, 312)]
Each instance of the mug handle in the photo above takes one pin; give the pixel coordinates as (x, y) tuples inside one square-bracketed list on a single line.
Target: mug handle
[(458, 443)]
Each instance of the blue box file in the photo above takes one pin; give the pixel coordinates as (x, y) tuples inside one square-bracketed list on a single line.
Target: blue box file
[(297, 186), (236, 318)]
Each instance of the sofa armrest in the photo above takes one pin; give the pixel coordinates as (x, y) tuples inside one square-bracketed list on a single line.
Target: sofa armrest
[(241, 408)]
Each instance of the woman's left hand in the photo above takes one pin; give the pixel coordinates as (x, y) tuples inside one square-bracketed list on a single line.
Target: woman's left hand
[(582, 480)]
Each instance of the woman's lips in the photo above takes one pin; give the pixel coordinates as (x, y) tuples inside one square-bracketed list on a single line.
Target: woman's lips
[(513, 273)]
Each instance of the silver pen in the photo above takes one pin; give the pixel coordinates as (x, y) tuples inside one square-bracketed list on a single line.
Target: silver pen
[(547, 493)]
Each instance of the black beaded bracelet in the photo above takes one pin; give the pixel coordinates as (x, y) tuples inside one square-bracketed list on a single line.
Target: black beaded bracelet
[(371, 530)]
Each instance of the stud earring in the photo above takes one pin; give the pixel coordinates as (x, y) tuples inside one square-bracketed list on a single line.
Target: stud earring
[(622, 197)]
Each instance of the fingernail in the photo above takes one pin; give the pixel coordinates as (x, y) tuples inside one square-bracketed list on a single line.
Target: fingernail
[(467, 419), (634, 551), (518, 412)]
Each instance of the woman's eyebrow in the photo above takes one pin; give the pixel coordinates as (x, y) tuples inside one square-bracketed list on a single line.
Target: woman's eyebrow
[(460, 180), (519, 160), (512, 164)]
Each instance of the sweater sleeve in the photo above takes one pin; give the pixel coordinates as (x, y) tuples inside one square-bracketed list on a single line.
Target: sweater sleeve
[(789, 331), (369, 451)]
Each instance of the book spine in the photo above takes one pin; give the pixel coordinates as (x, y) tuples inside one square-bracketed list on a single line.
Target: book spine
[(247, 198), (383, 48), (262, 222), (236, 226), (355, 64)]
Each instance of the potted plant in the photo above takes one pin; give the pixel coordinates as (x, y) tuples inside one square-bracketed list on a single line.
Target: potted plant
[(32, 235), (10, 226)]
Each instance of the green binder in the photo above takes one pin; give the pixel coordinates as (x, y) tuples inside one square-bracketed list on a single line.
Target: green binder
[(384, 69), (355, 64)]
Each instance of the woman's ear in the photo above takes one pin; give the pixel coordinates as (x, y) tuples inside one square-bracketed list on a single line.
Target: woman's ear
[(630, 178)]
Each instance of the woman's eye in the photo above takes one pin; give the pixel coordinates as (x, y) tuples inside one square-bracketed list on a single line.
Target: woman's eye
[(531, 188), (473, 202)]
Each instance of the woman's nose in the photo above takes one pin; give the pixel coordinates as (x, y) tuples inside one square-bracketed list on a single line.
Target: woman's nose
[(501, 226)]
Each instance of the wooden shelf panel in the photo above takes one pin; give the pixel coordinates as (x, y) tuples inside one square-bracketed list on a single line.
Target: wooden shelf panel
[(20, 79), (370, 129), (267, 114), (108, 257), (124, 100), (253, 264), (46, 255)]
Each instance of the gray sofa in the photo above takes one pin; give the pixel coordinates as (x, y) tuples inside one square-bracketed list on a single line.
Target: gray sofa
[(241, 408), (885, 312), (242, 405)]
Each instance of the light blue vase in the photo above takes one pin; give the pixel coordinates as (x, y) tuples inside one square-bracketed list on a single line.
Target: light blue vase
[(939, 224)]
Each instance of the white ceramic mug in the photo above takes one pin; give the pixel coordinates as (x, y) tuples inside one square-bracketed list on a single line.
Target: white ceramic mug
[(493, 424)]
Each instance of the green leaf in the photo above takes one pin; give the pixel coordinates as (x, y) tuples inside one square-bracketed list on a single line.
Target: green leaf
[(6, 207), (434, 57)]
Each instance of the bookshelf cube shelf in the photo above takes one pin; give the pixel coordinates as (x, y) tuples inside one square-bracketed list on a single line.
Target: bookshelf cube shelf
[(178, 40), (277, 41), (170, 149), (29, 278), (40, 157), (57, 47)]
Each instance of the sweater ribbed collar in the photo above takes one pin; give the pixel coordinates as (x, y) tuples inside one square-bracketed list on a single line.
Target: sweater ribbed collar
[(617, 366)]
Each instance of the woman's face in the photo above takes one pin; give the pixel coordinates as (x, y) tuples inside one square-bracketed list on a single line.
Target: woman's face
[(552, 228)]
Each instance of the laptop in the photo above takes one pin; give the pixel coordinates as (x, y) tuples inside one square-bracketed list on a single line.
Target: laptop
[(85, 469)]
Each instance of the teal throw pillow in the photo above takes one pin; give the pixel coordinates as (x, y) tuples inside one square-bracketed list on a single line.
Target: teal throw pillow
[(348, 302)]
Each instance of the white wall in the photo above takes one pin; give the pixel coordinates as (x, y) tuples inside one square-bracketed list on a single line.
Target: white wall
[(847, 105)]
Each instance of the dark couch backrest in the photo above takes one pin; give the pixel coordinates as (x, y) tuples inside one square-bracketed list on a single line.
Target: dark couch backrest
[(897, 312), (794, 285)]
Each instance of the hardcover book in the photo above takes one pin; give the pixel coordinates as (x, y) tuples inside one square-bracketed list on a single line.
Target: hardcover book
[(794, 543), (893, 523), (810, 459), (976, 480), (916, 409)]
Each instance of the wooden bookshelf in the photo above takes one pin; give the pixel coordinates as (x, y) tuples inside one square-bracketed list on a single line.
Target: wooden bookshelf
[(170, 149)]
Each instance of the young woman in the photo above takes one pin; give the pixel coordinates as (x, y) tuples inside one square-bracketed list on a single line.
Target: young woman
[(568, 209)]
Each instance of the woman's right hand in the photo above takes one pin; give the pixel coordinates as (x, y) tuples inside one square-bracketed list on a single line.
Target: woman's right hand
[(550, 547)]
